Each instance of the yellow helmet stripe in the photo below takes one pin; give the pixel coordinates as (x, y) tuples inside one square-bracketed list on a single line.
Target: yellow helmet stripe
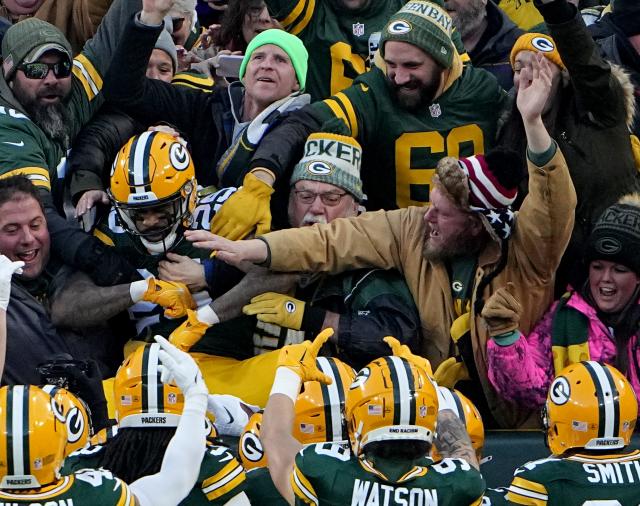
[(18, 430), (404, 412), (608, 399), (333, 398), (152, 389), (139, 171)]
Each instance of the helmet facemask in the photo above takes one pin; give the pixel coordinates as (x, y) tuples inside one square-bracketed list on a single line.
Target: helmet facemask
[(172, 212)]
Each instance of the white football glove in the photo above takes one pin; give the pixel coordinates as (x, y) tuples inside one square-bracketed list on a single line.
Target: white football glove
[(7, 270), (179, 367), (231, 413)]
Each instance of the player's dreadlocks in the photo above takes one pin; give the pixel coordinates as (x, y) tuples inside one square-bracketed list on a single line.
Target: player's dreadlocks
[(136, 452)]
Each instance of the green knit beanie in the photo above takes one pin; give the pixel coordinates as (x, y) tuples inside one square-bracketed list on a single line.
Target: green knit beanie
[(290, 44), (424, 24)]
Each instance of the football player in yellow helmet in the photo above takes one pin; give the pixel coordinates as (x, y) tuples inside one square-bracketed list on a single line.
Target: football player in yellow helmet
[(73, 412), (319, 414), (35, 429), (392, 412), (589, 418), (148, 412), (153, 188), (464, 409)]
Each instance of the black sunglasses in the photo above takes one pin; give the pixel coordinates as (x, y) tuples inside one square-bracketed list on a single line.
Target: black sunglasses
[(177, 23), (40, 70)]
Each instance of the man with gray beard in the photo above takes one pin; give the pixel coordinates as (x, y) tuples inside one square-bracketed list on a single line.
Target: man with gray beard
[(362, 306), (46, 96), (487, 34)]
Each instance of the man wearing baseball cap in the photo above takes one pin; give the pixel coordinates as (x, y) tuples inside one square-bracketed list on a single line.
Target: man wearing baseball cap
[(46, 96)]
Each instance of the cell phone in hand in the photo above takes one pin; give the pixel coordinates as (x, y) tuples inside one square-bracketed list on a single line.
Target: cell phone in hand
[(229, 65)]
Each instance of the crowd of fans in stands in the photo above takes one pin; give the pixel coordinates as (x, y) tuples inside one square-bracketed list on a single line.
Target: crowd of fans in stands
[(426, 204)]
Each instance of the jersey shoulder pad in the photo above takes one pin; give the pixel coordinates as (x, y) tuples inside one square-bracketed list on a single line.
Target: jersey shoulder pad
[(221, 475), (83, 458), (100, 488), (208, 205)]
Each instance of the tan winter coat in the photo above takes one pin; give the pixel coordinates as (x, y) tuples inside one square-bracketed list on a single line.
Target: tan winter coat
[(394, 239), (77, 19)]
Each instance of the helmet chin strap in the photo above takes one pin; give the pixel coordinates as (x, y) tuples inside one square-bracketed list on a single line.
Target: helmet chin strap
[(160, 247)]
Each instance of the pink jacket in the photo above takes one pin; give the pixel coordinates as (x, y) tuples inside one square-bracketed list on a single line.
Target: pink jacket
[(522, 372)]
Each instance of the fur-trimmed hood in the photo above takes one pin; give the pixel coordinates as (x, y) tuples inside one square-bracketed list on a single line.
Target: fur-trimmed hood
[(627, 88)]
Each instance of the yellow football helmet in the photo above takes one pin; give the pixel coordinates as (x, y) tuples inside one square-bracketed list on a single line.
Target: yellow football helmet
[(140, 397), (153, 171), (591, 406), (391, 399), (319, 409), (32, 438), (249, 445), (73, 412), (468, 413)]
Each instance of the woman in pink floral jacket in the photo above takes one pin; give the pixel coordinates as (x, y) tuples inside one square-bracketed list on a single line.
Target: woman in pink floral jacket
[(600, 321)]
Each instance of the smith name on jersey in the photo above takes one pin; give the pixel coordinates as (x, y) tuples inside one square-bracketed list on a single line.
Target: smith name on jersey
[(329, 474), (611, 480)]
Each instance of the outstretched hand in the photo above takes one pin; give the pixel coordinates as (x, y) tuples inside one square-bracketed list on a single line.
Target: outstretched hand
[(179, 367), (231, 252), (154, 11), (534, 87), (301, 358)]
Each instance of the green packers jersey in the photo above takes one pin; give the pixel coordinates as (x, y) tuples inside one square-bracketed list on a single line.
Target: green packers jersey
[(339, 41), (400, 147), (24, 146), (221, 475), (495, 497), (88, 486), (261, 490), (149, 318), (329, 474), (578, 480)]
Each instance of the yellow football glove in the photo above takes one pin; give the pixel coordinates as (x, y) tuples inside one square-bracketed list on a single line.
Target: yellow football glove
[(301, 358), (173, 296), (450, 372), (403, 351), (272, 307), (246, 209), (189, 333)]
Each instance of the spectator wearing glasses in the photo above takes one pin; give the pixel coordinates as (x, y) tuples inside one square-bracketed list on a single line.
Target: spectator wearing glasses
[(44, 106), (362, 306)]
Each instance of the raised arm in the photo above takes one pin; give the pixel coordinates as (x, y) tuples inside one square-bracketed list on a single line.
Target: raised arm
[(183, 456), (599, 94), (7, 270), (296, 364)]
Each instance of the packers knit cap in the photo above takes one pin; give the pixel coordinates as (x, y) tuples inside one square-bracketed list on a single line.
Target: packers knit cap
[(538, 43), (424, 24), (616, 235), (331, 158), (290, 44), (28, 40)]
